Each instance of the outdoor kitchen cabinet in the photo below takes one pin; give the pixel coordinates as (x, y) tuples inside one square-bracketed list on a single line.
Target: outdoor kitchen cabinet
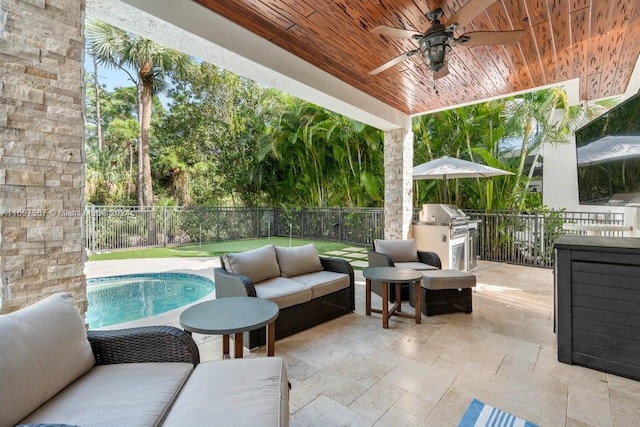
[(597, 303)]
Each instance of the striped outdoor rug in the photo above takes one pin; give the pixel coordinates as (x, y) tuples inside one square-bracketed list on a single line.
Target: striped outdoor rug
[(480, 415)]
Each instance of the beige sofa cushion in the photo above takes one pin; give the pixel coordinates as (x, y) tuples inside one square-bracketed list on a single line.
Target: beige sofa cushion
[(298, 260), (238, 392), (324, 282), (43, 348), (126, 394), (283, 291), (398, 250), (258, 265)]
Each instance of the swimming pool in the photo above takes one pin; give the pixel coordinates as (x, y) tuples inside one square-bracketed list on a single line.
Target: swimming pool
[(117, 299)]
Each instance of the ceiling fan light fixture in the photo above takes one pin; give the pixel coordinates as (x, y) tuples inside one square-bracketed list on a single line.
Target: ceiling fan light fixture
[(435, 51)]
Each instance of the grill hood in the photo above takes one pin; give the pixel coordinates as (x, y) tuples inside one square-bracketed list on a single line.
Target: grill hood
[(441, 213)]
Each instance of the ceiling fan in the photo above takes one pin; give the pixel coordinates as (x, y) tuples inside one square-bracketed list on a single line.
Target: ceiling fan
[(436, 43)]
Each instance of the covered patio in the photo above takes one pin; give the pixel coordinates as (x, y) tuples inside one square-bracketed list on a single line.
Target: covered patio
[(351, 371), (319, 51)]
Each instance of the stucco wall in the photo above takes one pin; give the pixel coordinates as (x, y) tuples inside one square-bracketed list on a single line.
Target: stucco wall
[(41, 150)]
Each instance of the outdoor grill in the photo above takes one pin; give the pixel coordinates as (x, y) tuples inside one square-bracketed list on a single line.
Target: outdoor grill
[(447, 231)]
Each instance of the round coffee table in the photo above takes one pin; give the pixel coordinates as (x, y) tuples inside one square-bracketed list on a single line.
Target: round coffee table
[(387, 275), (232, 316)]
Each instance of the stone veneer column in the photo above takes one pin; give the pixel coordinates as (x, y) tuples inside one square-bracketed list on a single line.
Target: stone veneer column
[(398, 183), (41, 150)]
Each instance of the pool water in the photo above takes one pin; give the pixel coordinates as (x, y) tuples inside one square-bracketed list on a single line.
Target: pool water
[(118, 299)]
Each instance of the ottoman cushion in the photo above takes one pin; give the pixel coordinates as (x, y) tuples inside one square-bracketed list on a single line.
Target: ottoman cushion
[(447, 279)]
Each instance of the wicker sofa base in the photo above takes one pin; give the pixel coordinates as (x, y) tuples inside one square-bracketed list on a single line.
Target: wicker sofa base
[(299, 317), (443, 301)]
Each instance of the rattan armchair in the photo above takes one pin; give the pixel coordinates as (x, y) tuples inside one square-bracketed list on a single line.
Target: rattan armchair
[(403, 254)]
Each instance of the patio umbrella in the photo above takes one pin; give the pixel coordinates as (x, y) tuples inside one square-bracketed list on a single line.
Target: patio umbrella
[(447, 167)]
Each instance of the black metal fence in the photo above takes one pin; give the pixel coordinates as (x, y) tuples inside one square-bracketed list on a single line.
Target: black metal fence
[(528, 238), (521, 238), (124, 227)]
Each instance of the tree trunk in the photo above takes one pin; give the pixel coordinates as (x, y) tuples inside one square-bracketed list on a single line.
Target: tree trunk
[(140, 162), (524, 152), (146, 79), (145, 128)]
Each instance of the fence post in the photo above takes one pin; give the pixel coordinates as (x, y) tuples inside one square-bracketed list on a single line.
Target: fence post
[(537, 238), (164, 225), (217, 224), (93, 229)]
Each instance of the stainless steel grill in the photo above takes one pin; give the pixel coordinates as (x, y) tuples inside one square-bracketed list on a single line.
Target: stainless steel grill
[(442, 214), (444, 229), (459, 230)]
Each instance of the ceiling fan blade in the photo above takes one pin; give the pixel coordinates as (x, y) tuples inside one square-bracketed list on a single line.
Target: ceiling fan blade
[(491, 37), (393, 62), (443, 72), (469, 11), (395, 32)]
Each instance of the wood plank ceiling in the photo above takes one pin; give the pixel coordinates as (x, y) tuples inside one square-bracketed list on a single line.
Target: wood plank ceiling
[(595, 40)]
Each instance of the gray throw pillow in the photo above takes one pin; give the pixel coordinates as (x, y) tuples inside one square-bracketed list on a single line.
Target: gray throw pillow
[(258, 265), (298, 260)]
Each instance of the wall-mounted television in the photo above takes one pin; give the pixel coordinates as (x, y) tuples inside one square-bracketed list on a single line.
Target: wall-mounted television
[(608, 152)]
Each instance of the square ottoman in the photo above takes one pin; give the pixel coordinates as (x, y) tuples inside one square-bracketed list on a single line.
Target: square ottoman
[(445, 291)]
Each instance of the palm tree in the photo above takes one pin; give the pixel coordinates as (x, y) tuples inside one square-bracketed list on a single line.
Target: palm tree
[(357, 151), (153, 63), (105, 175), (531, 117), (316, 157)]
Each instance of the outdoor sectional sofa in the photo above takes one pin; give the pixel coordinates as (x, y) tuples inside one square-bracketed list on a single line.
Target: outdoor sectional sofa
[(309, 289), (52, 371)]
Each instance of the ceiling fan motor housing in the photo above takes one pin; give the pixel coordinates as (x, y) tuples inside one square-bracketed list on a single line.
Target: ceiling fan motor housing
[(434, 15)]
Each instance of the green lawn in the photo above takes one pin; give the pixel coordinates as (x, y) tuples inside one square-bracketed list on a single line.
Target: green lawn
[(214, 249)]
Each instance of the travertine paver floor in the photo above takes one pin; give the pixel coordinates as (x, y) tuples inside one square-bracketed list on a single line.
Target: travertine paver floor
[(352, 372)]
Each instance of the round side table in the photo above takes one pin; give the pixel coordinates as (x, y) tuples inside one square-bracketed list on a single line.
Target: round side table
[(398, 276), (232, 316)]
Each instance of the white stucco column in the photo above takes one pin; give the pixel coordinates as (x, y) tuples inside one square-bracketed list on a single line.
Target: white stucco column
[(560, 175), (398, 188)]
